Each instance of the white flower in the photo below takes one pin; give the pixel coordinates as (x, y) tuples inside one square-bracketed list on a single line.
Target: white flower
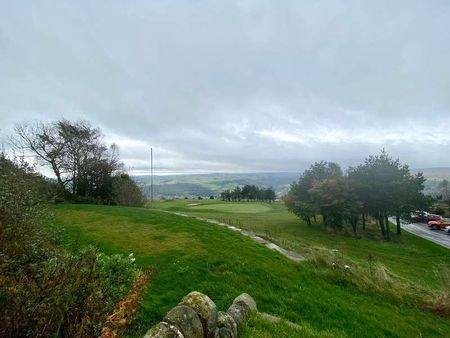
[(346, 267), (130, 255), (132, 259), (334, 250)]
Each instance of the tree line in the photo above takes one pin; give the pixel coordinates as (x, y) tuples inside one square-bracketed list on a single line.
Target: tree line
[(248, 193), (85, 168), (378, 188)]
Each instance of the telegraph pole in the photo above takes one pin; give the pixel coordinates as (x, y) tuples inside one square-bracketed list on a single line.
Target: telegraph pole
[(151, 176)]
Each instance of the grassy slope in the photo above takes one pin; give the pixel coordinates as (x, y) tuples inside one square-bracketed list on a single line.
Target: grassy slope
[(191, 255), (407, 255)]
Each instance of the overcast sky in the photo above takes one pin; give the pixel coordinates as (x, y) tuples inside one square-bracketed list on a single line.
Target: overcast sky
[(235, 85)]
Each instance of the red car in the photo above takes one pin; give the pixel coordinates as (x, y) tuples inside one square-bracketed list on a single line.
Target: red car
[(425, 217)]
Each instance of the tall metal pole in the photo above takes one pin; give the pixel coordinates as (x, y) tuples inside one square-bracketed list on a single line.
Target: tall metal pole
[(151, 176)]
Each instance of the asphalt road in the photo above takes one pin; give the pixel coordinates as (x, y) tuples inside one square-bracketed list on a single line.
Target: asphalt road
[(420, 229)]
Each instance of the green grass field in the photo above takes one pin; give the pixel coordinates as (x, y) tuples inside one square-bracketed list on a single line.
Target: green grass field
[(189, 255), (235, 208), (406, 255)]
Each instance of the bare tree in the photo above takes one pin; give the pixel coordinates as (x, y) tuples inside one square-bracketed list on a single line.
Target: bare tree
[(82, 163), (44, 140)]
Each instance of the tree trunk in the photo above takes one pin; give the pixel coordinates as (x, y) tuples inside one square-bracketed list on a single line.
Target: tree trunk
[(397, 218), (354, 222), (381, 222), (364, 221), (388, 231), (74, 185)]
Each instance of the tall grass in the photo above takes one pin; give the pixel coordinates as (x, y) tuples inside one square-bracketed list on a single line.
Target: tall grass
[(375, 277)]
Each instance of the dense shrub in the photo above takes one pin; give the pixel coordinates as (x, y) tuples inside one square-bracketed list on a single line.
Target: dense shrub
[(46, 290), (126, 191), (67, 295), (21, 214), (439, 211)]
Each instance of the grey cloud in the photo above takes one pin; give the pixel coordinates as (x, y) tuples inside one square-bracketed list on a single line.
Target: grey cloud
[(201, 81)]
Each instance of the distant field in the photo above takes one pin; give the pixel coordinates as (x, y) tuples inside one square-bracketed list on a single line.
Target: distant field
[(188, 255), (206, 185)]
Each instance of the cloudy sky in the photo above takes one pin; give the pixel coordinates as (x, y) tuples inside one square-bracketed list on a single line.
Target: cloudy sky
[(235, 85)]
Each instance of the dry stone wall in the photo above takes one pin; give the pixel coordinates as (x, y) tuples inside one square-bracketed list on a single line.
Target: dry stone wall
[(196, 316)]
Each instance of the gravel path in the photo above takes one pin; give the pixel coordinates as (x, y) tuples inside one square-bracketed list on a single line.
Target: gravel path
[(272, 246), (422, 230)]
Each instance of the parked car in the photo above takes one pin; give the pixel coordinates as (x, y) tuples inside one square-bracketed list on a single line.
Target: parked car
[(439, 225), (425, 217)]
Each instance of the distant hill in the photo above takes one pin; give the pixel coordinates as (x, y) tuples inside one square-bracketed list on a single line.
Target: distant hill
[(434, 173), (205, 185), (434, 176), (193, 185)]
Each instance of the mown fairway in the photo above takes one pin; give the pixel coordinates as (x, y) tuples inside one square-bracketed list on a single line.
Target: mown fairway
[(235, 208), (191, 255), (407, 255)]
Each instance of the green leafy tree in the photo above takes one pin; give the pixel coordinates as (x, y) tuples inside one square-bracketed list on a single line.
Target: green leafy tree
[(299, 199), (385, 187), (225, 195), (126, 191), (245, 193), (269, 195), (237, 194), (335, 201), (249, 193), (409, 195)]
